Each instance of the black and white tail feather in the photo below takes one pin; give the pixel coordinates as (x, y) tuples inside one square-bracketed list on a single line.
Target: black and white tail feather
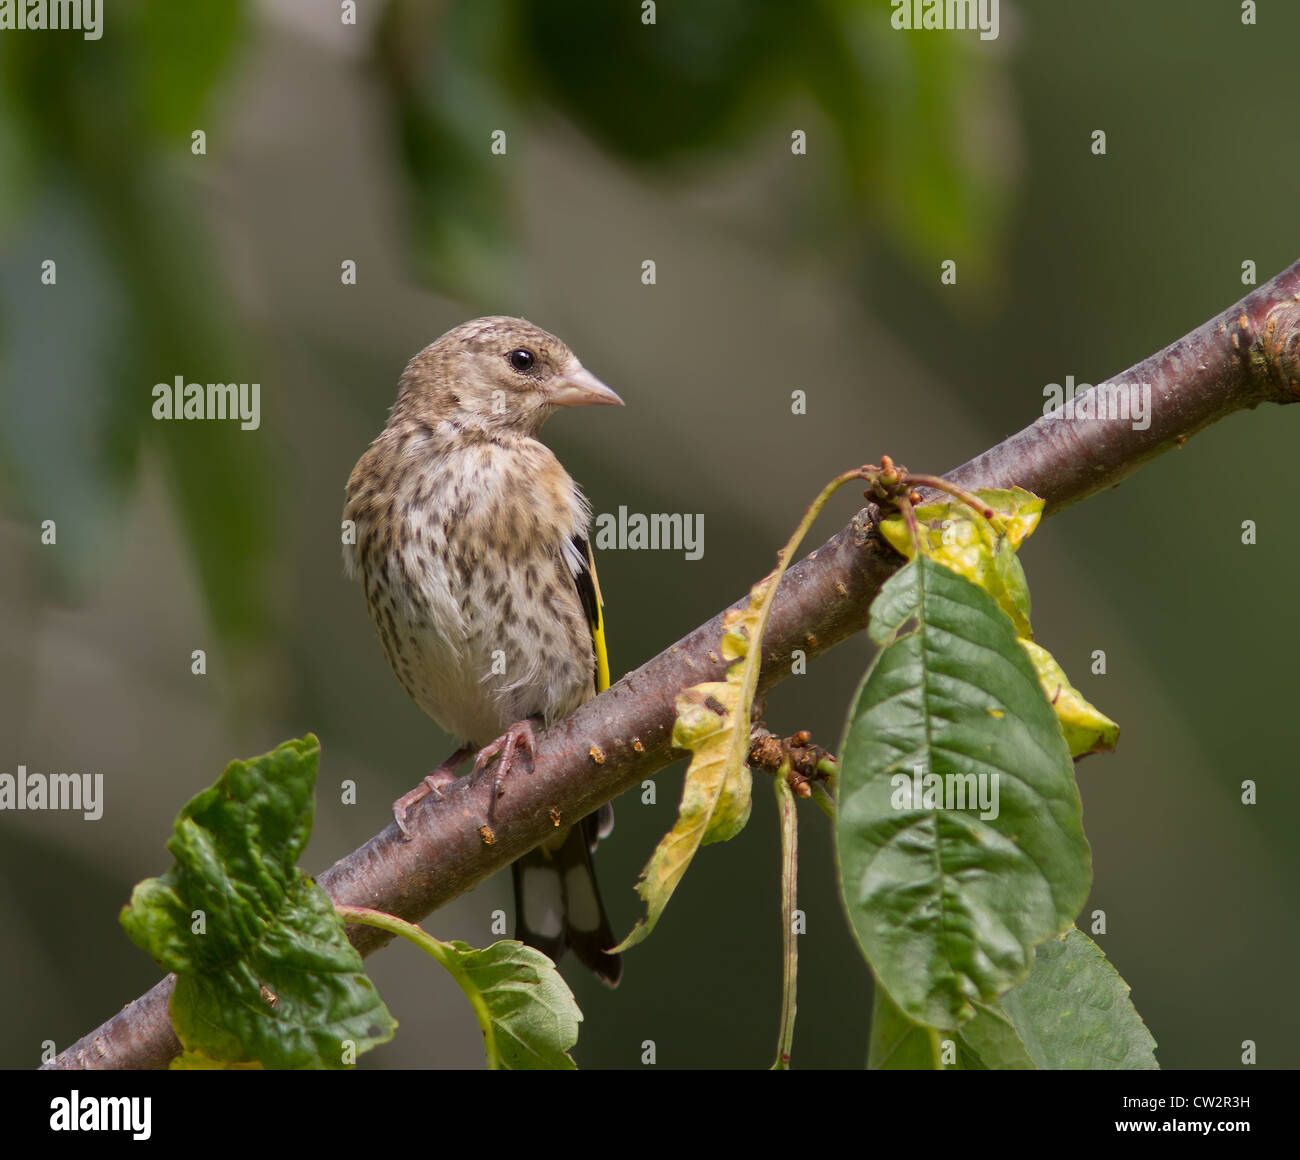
[(557, 901)]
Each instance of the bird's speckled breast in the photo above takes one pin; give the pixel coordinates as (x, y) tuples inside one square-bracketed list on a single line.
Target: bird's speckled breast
[(461, 552)]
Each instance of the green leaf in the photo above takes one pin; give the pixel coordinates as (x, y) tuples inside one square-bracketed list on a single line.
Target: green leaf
[(947, 901), (1075, 1012), (989, 1042), (534, 1014), (264, 970), (525, 1010), (1072, 1012), (898, 1044)]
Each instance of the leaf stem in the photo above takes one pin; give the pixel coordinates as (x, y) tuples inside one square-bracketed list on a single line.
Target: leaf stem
[(904, 505), (789, 819), (969, 498), (936, 1048), (444, 955)]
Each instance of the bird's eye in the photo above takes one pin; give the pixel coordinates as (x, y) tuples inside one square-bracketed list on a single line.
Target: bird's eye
[(521, 360)]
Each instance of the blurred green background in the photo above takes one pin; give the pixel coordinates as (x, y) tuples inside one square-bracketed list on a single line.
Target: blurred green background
[(627, 142)]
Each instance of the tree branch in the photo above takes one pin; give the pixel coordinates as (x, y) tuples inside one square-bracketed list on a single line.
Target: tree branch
[(1250, 354)]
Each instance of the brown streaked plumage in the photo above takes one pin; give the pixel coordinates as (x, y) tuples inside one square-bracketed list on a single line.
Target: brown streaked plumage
[(471, 547)]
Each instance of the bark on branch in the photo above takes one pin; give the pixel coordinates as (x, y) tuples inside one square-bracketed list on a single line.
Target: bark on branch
[(1249, 354)]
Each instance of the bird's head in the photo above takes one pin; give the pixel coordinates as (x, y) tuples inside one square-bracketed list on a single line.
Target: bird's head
[(497, 374)]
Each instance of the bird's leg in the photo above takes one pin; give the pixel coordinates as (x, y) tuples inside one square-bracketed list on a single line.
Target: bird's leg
[(432, 783), (520, 736)]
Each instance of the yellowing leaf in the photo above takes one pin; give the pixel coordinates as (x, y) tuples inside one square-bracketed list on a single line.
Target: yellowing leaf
[(1087, 730), (983, 551), (713, 722), (707, 734)]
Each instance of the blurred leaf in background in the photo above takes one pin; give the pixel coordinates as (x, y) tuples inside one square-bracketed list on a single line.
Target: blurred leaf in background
[(922, 131), (449, 70), (100, 136)]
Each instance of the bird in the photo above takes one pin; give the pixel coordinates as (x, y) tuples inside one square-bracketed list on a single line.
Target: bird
[(471, 543)]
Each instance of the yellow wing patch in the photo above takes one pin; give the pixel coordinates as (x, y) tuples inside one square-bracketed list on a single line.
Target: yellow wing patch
[(598, 629)]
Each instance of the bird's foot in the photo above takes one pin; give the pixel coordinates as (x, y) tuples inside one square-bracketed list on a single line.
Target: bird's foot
[(520, 737), (432, 783)]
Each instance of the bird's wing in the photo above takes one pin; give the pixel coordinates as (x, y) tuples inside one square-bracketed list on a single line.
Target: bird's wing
[(584, 577)]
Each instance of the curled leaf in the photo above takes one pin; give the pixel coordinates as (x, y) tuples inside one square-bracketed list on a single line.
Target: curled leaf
[(1087, 729), (984, 551), (264, 970), (713, 723)]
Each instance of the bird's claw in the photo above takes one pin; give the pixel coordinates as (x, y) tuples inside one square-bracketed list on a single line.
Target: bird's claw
[(431, 783), (520, 737)]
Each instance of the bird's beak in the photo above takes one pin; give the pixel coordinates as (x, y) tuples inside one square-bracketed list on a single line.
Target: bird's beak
[(580, 388)]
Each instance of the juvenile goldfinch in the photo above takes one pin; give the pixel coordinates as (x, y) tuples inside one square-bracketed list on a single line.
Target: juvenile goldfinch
[(471, 546)]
